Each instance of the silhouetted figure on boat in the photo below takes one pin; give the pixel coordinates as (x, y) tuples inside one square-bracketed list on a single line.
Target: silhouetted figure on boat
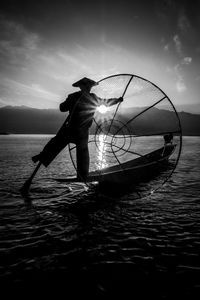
[(81, 106), (168, 138)]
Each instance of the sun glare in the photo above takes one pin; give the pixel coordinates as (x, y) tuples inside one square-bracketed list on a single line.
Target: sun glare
[(102, 109)]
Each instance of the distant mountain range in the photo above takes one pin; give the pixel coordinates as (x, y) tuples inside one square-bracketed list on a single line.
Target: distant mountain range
[(25, 120), (189, 108)]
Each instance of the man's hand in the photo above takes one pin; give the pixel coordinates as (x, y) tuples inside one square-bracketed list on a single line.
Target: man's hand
[(113, 101)]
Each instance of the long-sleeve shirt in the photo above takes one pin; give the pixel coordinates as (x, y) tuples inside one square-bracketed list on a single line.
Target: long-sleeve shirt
[(81, 107)]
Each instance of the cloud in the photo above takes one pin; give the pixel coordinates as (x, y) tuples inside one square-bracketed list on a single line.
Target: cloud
[(16, 43), (178, 44), (41, 92), (166, 47), (183, 22), (58, 69), (180, 85), (14, 87), (183, 61), (73, 61), (2, 102), (186, 60)]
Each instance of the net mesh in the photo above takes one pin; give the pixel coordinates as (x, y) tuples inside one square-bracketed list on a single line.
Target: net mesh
[(133, 128)]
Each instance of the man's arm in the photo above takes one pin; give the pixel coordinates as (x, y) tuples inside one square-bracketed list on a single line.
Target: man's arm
[(113, 101), (64, 106), (68, 103), (108, 102)]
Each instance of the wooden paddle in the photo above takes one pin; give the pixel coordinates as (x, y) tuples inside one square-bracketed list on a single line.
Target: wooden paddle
[(25, 188)]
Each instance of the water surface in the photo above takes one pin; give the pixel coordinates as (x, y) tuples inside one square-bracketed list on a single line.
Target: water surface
[(69, 238)]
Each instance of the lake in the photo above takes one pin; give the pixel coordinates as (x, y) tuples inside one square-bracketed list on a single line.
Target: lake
[(71, 239)]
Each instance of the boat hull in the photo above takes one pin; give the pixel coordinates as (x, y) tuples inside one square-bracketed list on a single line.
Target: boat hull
[(135, 170)]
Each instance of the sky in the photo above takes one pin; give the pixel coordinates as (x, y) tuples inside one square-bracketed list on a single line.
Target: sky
[(45, 46)]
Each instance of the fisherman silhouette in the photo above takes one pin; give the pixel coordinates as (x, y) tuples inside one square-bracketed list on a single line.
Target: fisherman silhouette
[(81, 106), (168, 138)]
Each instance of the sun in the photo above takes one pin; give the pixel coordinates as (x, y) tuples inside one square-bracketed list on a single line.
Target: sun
[(102, 109)]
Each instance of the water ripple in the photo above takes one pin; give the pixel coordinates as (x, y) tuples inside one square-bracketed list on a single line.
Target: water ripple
[(116, 244)]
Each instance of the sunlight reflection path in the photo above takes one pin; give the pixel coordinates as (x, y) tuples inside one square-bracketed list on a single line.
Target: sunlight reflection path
[(102, 147)]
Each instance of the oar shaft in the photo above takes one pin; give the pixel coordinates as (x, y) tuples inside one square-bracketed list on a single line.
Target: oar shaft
[(34, 172), (25, 188)]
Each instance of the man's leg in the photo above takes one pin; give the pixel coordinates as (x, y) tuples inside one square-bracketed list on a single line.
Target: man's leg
[(52, 149), (83, 159)]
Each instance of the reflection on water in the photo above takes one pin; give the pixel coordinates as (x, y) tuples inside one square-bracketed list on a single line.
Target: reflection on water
[(75, 241), (102, 148)]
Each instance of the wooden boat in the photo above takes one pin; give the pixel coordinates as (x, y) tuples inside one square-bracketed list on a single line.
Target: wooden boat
[(133, 170)]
